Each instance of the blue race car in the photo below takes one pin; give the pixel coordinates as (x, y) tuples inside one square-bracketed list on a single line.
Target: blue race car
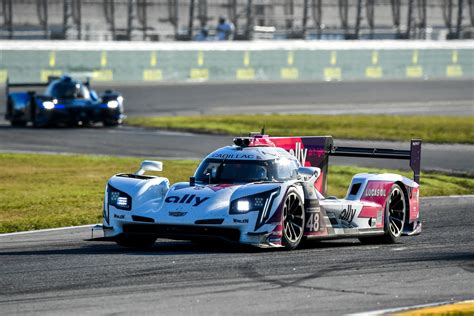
[(65, 101)]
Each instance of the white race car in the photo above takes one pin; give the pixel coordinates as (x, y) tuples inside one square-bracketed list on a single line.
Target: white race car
[(267, 192)]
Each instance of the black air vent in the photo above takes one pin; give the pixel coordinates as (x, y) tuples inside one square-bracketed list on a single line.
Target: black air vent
[(135, 176), (137, 218), (209, 221)]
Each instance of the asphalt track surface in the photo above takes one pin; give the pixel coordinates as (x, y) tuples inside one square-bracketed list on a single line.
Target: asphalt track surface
[(59, 273), (156, 144), (433, 97), (444, 97), (416, 97)]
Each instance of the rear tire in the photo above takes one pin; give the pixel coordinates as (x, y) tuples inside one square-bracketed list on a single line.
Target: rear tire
[(293, 220), (18, 123), (394, 219), (138, 242)]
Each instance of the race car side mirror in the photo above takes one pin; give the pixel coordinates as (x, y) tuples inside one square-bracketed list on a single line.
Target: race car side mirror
[(309, 172), (149, 165)]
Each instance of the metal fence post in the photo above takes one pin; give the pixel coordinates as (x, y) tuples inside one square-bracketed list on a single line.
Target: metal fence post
[(191, 19), (459, 21), (409, 19), (305, 19), (248, 30), (317, 16), (42, 11), (358, 18), (370, 12), (109, 13)]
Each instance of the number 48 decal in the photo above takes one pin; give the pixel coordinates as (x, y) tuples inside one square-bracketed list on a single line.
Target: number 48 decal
[(313, 222)]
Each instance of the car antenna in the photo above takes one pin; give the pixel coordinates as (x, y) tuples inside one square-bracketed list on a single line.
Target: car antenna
[(263, 130)]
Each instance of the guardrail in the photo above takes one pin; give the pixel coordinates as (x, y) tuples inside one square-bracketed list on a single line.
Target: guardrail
[(236, 61)]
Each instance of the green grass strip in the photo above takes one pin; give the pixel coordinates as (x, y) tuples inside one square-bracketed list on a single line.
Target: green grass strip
[(433, 129), (44, 191)]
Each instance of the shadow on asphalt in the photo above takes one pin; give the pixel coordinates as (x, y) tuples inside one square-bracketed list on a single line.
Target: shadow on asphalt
[(173, 248), (57, 127)]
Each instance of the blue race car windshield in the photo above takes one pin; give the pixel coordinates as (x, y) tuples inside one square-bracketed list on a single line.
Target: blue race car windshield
[(68, 90), (214, 171)]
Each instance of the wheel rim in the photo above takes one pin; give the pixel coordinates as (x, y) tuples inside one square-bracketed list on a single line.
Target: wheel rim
[(293, 218), (396, 212)]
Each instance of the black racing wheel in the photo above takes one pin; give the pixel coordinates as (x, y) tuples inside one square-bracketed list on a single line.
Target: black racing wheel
[(293, 220), (394, 221)]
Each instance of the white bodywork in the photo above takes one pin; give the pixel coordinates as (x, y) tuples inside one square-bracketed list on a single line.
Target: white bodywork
[(185, 206)]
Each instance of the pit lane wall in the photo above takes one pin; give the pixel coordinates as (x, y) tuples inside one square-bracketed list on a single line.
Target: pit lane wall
[(26, 61)]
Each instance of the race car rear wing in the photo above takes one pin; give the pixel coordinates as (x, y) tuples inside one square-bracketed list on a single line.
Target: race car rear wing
[(314, 151), (414, 154), (9, 85)]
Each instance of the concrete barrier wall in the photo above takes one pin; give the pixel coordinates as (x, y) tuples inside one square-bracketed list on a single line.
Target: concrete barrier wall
[(25, 61)]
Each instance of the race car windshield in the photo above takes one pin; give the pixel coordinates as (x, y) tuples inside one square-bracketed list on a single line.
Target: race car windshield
[(68, 90), (215, 171)]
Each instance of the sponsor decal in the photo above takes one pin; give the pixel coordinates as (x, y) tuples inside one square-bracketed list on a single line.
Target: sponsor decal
[(312, 224), (177, 213), (219, 187), (299, 153), (186, 199), (348, 214), (241, 221), (119, 216), (375, 192), (233, 156)]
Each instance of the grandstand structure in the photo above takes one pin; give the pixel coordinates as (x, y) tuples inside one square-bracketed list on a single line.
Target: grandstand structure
[(169, 20)]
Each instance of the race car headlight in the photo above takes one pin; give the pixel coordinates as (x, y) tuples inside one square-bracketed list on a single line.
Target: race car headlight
[(112, 104), (119, 199), (243, 206), (253, 203), (48, 105)]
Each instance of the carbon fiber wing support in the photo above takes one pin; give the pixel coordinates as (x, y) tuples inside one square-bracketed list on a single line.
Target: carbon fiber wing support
[(413, 155)]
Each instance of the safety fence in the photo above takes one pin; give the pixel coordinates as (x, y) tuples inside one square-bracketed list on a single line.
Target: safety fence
[(275, 60)]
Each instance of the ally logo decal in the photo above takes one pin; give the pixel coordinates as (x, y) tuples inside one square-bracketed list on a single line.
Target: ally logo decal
[(186, 199)]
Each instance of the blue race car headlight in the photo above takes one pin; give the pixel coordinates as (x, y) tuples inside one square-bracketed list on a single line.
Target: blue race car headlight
[(112, 104), (48, 105), (253, 203), (119, 199)]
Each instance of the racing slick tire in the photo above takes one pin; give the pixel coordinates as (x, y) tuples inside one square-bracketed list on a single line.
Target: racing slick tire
[(394, 220), (293, 220), (138, 242), (111, 123), (34, 119), (15, 123)]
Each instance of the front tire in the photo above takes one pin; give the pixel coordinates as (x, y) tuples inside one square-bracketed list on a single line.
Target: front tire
[(293, 220), (138, 242), (111, 123), (394, 220)]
